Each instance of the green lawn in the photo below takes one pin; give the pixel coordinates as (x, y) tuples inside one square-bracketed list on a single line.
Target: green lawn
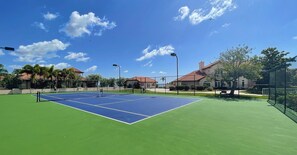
[(211, 126)]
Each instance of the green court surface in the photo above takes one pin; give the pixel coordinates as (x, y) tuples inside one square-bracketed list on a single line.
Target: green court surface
[(210, 126)]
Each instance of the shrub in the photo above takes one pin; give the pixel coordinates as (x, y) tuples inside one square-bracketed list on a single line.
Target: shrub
[(172, 88), (200, 88), (129, 86), (180, 87), (292, 101), (186, 88), (254, 90), (210, 89)]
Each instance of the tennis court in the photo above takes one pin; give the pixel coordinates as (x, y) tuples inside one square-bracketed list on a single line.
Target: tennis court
[(125, 108)]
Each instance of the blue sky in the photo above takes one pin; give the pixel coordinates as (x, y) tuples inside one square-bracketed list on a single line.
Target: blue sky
[(139, 35)]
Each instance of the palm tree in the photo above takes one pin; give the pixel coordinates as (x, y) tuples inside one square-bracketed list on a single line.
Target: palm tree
[(69, 75), (51, 75), (3, 70), (28, 69), (57, 75), (36, 72)]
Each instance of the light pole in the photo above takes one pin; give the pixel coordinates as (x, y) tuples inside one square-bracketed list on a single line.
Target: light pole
[(116, 65), (174, 55), (7, 48)]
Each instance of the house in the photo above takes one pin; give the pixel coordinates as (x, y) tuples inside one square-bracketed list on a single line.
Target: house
[(77, 71), (143, 82), (210, 76)]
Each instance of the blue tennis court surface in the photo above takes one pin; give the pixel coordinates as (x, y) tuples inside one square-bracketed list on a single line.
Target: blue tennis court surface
[(127, 109)]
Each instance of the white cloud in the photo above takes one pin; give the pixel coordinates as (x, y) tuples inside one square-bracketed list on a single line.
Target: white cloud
[(40, 26), (153, 72), (149, 64), (60, 65), (78, 25), (1, 52), (183, 13), (295, 38), (213, 33), (91, 69), (50, 16), (218, 8), (161, 72), (79, 57), (226, 25), (165, 50), (15, 66), (37, 52), (126, 71)]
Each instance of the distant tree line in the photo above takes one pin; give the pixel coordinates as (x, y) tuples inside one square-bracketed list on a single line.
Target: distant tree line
[(50, 77), (236, 62)]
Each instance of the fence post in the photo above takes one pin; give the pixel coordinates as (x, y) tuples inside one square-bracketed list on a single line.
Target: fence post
[(269, 87), (275, 87), (194, 84), (145, 82), (285, 104), (165, 84), (155, 85)]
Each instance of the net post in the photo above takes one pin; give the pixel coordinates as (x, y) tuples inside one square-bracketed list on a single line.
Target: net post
[(37, 96)]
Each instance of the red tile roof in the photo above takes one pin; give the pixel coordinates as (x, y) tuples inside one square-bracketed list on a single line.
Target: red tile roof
[(210, 65), (196, 75), (76, 70), (26, 76), (193, 76), (142, 79)]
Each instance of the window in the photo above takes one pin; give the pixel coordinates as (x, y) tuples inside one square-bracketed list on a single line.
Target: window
[(242, 84), (206, 84), (217, 83)]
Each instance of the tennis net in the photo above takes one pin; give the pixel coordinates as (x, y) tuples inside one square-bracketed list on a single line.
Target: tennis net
[(59, 96)]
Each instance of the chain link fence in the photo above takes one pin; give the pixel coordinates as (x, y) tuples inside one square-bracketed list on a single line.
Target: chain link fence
[(283, 89), (185, 84)]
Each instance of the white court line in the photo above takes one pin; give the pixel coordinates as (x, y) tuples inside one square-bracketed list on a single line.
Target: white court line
[(146, 116), (164, 112), (105, 107), (109, 103), (125, 101), (91, 113), (100, 95)]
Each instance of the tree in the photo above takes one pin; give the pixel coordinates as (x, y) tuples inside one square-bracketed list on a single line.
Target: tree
[(16, 71), (10, 81), (28, 69), (272, 58), (121, 82), (237, 62), (3, 71), (94, 77)]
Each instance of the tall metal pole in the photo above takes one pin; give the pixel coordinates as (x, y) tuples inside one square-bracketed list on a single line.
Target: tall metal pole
[(165, 85), (175, 55), (285, 104), (177, 75), (119, 78), (116, 65), (194, 84)]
